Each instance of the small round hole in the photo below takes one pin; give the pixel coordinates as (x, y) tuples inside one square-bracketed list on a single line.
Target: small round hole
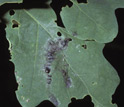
[(11, 12), (59, 34), (14, 25), (84, 46), (69, 39)]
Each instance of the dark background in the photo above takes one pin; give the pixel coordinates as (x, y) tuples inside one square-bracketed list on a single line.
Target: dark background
[(113, 52)]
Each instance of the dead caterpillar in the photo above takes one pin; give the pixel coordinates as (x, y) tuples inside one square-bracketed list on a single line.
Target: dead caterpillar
[(54, 47), (54, 100), (67, 79)]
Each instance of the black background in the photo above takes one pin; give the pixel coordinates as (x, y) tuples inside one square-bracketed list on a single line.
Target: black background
[(113, 52)]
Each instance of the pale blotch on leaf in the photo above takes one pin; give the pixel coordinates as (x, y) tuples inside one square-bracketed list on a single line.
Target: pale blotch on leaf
[(18, 79), (54, 100), (77, 46), (23, 98), (27, 100)]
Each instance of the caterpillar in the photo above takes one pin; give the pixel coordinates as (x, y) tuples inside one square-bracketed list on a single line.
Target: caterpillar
[(52, 49)]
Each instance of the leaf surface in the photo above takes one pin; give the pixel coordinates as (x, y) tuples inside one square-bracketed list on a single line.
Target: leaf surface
[(10, 1), (48, 67), (94, 20)]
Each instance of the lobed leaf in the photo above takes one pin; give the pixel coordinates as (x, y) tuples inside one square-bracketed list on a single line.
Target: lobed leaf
[(57, 68), (94, 20)]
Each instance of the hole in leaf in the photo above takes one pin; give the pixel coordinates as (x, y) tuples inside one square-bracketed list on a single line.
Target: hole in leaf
[(55, 21), (69, 3), (84, 46), (73, 99), (59, 34), (11, 12), (82, 1), (46, 103), (69, 39), (86, 102), (35, 4), (57, 7), (15, 24)]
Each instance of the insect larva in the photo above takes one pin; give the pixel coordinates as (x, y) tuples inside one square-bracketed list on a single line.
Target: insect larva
[(53, 47)]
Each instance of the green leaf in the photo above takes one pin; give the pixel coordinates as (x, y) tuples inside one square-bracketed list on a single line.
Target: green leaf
[(10, 1), (94, 20), (90, 69), (27, 48), (117, 3), (48, 67)]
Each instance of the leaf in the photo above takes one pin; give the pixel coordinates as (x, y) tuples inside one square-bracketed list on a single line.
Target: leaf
[(92, 71), (10, 1), (27, 49), (48, 67), (117, 3), (92, 20)]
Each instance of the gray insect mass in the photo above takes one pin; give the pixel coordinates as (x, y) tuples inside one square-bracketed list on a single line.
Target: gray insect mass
[(54, 100), (67, 79), (53, 48)]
